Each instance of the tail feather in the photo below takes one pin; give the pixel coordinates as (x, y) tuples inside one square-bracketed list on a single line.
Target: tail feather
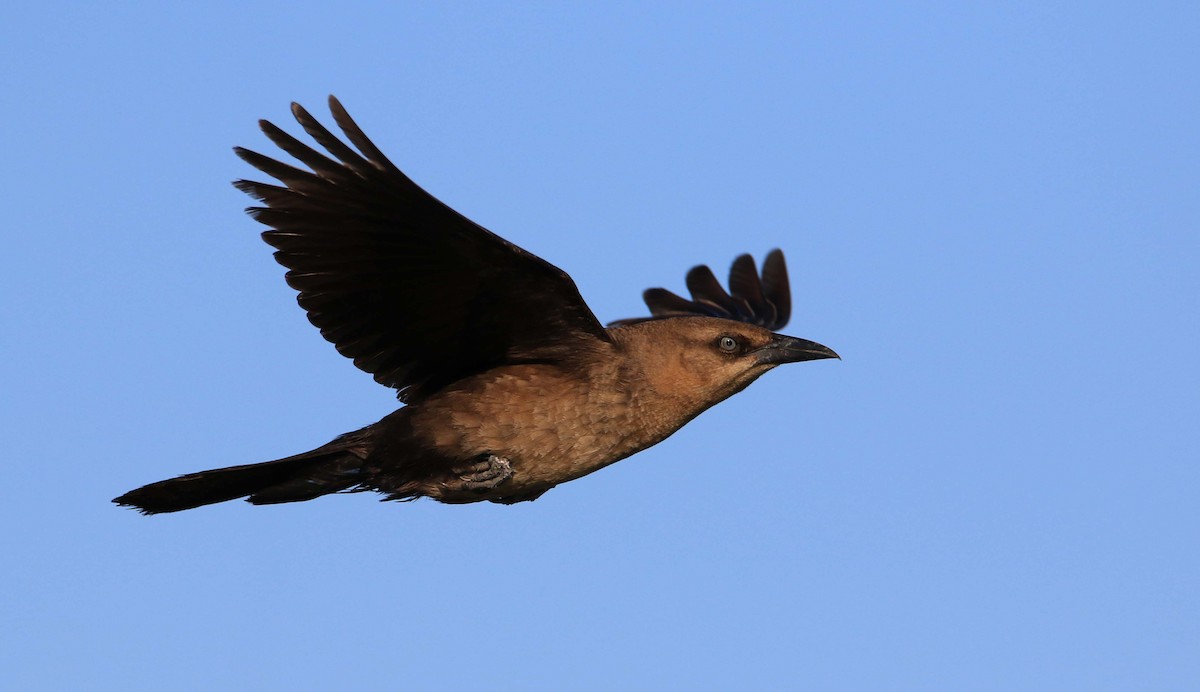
[(334, 467), (331, 476)]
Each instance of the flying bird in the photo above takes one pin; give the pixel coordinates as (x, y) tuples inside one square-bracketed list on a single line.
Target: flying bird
[(510, 384)]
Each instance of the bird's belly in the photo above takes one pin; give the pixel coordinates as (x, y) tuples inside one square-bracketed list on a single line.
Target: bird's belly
[(547, 456), (550, 429), (541, 468)]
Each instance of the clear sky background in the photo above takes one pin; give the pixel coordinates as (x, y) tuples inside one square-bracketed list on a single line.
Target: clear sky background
[(991, 212)]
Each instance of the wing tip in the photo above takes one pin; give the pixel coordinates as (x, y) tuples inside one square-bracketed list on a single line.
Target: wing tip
[(760, 298)]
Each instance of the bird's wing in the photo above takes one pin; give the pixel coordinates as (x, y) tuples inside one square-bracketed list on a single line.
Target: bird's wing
[(415, 293), (764, 300)]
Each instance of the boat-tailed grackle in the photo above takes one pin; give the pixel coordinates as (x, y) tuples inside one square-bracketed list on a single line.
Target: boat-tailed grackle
[(510, 383)]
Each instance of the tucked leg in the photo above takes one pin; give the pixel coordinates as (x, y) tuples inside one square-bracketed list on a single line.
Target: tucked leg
[(485, 473)]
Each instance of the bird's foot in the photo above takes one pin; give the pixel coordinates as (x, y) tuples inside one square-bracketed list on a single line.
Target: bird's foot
[(485, 473)]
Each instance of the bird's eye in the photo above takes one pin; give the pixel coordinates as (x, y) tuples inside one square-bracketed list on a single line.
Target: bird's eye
[(727, 344)]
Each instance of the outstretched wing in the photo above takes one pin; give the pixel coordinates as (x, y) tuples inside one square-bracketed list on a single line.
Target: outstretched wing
[(764, 300), (415, 293)]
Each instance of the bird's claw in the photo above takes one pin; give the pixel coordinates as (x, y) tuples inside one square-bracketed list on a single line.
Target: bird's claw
[(484, 474)]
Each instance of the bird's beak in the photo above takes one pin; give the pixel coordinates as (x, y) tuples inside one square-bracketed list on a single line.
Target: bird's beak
[(789, 349)]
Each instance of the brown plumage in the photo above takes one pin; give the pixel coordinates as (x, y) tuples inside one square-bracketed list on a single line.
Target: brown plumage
[(511, 384)]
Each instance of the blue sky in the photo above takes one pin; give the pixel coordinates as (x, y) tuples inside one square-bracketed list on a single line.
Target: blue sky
[(991, 212)]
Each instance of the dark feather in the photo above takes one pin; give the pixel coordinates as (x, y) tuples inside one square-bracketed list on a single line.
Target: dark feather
[(761, 300), (776, 288), (416, 294)]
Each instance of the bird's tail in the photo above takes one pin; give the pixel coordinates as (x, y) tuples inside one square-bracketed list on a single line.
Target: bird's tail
[(328, 469)]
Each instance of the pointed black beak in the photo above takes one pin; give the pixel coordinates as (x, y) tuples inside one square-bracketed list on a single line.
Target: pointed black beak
[(789, 349)]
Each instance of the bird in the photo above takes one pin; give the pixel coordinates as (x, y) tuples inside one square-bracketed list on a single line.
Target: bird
[(510, 385)]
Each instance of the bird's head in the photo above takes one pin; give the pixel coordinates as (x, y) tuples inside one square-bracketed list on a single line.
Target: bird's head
[(711, 347), (708, 359)]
